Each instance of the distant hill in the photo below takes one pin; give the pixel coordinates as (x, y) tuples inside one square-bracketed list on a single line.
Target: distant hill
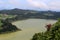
[(32, 13)]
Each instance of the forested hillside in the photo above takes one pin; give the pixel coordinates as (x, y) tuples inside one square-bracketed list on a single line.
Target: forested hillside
[(21, 14), (5, 25), (52, 34)]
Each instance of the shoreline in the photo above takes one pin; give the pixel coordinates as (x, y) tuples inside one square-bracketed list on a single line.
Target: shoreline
[(34, 18)]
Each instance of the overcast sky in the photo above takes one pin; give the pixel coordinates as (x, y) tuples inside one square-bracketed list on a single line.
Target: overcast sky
[(31, 4)]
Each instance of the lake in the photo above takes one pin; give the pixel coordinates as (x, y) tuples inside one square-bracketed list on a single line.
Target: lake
[(29, 28)]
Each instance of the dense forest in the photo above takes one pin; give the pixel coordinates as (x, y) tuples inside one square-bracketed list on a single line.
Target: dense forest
[(52, 34), (6, 27), (25, 14)]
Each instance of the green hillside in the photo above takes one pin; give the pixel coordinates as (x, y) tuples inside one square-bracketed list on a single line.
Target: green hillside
[(5, 25), (52, 34)]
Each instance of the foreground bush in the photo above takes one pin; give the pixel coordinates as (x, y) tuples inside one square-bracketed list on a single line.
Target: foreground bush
[(52, 34), (6, 27)]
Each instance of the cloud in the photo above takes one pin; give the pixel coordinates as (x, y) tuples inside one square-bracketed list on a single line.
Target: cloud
[(7, 4), (14, 2), (38, 3), (1, 1), (54, 5), (45, 4), (31, 4)]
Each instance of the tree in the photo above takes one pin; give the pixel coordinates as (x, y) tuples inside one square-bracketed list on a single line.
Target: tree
[(52, 34)]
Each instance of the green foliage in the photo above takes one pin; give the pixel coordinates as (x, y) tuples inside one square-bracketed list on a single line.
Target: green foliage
[(32, 13), (2, 16), (52, 34), (6, 26), (0, 23)]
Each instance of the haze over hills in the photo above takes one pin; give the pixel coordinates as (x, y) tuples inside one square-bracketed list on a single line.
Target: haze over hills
[(32, 13)]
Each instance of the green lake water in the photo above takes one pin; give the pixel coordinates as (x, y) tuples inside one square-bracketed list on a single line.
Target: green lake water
[(29, 28)]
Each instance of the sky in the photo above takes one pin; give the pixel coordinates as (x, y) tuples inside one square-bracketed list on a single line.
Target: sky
[(53, 5)]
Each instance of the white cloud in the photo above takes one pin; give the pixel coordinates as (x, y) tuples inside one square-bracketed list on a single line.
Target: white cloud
[(2, 2), (14, 2), (46, 4), (42, 4), (54, 5), (38, 3), (9, 4)]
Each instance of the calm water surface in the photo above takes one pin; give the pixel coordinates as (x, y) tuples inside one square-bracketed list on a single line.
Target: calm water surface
[(29, 28)]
